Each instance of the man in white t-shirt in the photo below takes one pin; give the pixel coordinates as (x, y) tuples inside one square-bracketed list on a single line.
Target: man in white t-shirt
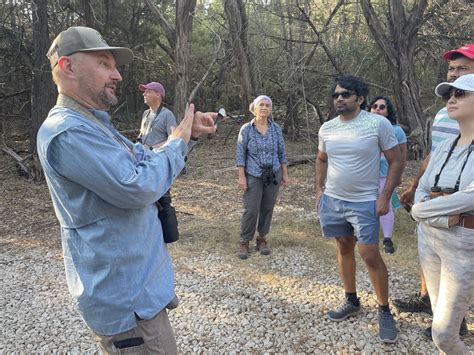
[(347, 175)]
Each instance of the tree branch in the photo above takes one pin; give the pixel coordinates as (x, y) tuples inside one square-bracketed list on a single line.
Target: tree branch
[(378, 31), (169, 31), (198, 85), (320, 40)]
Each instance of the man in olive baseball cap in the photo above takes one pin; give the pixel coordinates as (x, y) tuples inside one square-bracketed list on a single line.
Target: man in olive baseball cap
[(104, 190), (85, 39)]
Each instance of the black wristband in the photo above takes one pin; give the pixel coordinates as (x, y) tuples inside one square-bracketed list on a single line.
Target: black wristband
[(194, 138)]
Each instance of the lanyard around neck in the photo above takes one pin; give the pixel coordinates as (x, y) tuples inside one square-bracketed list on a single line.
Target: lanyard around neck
[(147, 127), (469, 151)]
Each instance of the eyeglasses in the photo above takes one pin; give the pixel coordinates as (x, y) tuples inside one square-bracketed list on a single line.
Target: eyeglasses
[(345, 95), (381, 106), (457, 93)]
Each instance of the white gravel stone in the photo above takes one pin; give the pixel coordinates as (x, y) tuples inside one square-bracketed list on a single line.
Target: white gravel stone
[(222, 309)]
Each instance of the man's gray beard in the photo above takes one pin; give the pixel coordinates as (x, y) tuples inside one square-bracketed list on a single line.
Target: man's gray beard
[(107, 102)]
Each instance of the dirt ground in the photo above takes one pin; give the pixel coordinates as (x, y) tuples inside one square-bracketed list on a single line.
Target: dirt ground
[(206, 198)]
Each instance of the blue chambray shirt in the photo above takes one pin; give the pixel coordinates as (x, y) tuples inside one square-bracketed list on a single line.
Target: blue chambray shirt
[(254, 150), (115, 258)]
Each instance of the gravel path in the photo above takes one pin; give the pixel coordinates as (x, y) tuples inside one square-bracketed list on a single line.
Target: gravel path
[(273, 304), (226, 306)]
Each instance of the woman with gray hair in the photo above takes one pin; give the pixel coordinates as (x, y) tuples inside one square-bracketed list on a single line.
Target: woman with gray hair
[(262, 166), (444, 209)]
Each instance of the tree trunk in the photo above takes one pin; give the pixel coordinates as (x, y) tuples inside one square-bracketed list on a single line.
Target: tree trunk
[(42, 88), (184, 25), (235, 13), (89, 19), (397, 41)]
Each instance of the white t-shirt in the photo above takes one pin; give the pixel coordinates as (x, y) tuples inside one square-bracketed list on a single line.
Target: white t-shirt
[(353, 148)]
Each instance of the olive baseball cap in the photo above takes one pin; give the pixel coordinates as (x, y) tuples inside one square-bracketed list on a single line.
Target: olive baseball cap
[(84, 39)]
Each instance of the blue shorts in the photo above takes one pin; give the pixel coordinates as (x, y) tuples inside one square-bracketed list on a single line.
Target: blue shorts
[(341, 218)]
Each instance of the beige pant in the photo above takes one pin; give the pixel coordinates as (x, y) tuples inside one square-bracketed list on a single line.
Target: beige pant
[(157, 335)]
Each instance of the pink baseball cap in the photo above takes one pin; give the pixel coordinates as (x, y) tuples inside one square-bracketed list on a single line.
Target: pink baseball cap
[(153, 86), (467, 51)]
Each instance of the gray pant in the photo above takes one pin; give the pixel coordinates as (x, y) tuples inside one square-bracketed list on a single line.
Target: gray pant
[(259, 201), (448, 265)]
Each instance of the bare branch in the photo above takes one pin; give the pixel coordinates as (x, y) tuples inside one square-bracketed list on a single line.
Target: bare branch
[(320, 40), (216, 53), (378, 31), (169, 31)]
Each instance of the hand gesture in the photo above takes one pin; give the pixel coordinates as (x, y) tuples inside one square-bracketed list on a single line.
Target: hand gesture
[(184, 128), (203, 123)]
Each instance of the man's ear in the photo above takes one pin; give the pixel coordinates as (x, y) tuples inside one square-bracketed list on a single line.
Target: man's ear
[(360, 99), (65, 65)]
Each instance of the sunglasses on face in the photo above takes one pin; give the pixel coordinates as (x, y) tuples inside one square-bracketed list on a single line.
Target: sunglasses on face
[(345, 95), (457, 93), (381, 107)]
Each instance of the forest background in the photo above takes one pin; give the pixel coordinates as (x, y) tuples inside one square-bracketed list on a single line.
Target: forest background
[(224, 53)]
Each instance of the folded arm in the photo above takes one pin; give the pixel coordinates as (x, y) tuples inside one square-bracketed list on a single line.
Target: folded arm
[(436, 212)]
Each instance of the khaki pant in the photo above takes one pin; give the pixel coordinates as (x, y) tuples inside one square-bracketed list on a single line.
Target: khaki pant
[(157, 335)]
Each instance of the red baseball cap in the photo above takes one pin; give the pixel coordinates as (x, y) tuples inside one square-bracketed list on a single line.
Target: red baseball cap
[(153, 86), (466, 50)]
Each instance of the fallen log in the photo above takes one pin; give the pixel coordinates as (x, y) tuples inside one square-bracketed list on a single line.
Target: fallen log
[(301, 159)]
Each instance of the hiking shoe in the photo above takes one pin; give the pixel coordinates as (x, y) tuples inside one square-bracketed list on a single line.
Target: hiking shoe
[(244, 249), (462, 330), (387, 329), (262, 246), (345, 310), (388, 246), (414, 303)]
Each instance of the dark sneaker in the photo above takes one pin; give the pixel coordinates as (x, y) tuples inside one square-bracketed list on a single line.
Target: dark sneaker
[(414, 303), (388, 246), (387, 329), (462, 330), (345, 310)]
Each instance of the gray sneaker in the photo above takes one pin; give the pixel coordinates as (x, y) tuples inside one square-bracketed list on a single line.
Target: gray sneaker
[(387, 330), (345, 310)]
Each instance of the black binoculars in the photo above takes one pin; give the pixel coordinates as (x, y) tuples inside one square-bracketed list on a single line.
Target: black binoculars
[(268, 175), (437, 191)]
